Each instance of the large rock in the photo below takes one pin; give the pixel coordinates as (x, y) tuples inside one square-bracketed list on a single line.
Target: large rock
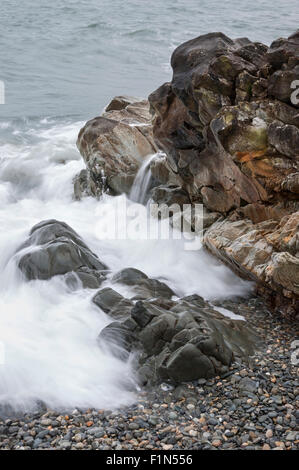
[(54, 248), (267, 251), (114, 145), (230, 131), (185, 341), (112, 303), (141, 285)]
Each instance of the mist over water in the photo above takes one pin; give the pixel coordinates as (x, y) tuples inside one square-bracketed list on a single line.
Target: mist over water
[(61, 62), (48, 331)]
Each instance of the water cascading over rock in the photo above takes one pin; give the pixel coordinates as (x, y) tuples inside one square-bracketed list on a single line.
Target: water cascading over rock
[(228, 127), (230, 130)]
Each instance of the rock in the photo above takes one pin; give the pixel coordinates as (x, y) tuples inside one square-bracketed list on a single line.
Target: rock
[(143, 313), (292, 436), (118, 339), (129, 276), (120, 102), (114, 146), (187, 342), (80, 185), (265, 252), (112, 303), (170, 195), (54, 248), (230, 131), (248, 385), (266, 447), (141, 285)]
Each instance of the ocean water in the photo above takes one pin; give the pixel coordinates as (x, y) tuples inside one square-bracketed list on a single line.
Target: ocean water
[(69, 57), (61, 62)]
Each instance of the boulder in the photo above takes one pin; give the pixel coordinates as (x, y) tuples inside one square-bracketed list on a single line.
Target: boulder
[(112, 303), (229, 129), (114, 145), (141, 285), (266, 252), (185, 341), (170, 195), (54, 248)]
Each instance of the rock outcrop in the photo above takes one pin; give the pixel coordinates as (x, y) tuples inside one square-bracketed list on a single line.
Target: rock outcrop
[(141, 285), (170, 340), (229, 125), (54, 248), (114, 146)]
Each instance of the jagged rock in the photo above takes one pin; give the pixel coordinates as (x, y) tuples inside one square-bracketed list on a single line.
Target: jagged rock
[(120, 102), (230, 130), (170, 195), (80, 185), (285, 138), (291, 183), (142, 286), (265, 251), (54, 248), (284, 59), (112, 303), (115, 144), (188, 341), (228, 124)]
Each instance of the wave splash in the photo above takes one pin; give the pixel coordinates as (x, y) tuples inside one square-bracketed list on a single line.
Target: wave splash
[(48, 332)]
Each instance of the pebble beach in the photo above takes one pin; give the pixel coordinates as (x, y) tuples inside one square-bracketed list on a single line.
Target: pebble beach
[(253, 407)]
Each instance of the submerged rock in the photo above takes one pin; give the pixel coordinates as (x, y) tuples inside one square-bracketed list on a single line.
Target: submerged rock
[(54, 248), (112, 303), (115, 145), (184, 342)]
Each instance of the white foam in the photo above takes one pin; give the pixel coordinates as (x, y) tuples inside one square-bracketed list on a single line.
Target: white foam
[(229, 313), (49, 333)]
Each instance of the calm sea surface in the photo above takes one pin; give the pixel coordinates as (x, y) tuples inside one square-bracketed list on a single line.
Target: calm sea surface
[(68, 57)]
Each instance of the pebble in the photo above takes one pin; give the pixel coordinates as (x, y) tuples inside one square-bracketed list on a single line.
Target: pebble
[(253, 407)]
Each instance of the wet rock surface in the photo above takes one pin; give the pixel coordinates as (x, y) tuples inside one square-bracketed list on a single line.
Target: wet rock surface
[(113, 146), (258, 413), (228, 124), (54, 248), (112, 303), (229, 127), (171, 340), (141, 285)]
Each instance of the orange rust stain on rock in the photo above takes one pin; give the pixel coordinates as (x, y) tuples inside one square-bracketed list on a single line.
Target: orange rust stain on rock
[(248, 156)]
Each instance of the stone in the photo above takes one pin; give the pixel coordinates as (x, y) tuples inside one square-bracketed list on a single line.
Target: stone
[(186, 342), (248, 384), (229, 131), (114, 146), (265, 252), (142, 285), (54, 248), (111, 302)]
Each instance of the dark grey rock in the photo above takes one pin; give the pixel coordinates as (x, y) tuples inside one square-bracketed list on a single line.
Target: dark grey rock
[(112, 303), (53, 248), (142, 285), (189, 341)]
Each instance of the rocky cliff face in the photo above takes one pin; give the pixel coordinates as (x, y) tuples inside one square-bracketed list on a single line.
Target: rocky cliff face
[(113, 146), (229, 125)]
